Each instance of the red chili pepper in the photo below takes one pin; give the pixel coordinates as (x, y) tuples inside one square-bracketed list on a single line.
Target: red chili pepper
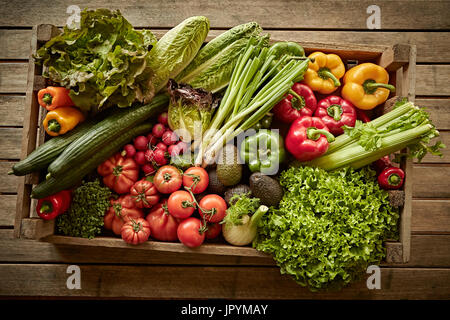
[(50, 207), (391, 178), (382, 164), (336, 112), (308, 138), (300, 101)]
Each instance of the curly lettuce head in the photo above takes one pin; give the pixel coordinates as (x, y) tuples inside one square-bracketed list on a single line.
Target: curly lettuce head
[(189, 110), (329, 227)]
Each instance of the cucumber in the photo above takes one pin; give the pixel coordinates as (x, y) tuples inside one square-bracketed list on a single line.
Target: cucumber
[(53, 185), (103, 133), (43, 155)]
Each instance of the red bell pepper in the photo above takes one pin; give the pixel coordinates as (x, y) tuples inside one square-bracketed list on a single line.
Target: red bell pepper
[(308, 138), (300, 101), (361, 115), (391, 178), (50, 207), (336, 112)]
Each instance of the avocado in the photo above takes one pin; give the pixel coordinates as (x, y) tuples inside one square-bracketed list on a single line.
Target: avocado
[(228, 169), (266, 188), (239, 189), (215, 186)]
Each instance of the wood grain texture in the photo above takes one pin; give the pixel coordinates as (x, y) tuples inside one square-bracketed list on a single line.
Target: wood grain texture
[(431, 46), (11, 110), (426, 251), (439, 110), (432, 80), (8, 209), (431, 216), (400, 15), (10, 144), (9, 182), (13, 77), (431, 181), (210, 283)]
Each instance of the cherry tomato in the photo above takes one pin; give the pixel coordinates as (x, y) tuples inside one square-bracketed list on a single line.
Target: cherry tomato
[(163, 226), (216, 205), (190, 232), (196, 178), (213, 231), (180, 204), (168, 179)]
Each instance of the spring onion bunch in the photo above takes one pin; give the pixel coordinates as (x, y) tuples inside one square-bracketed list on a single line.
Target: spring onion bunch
[(406, 126), (259, 81)]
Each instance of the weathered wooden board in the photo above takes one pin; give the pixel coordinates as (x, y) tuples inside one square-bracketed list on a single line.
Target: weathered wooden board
[(10, 143), (438, 110), (426, 251), (13, 77), (11, 110), (210, 283), (431, 216), (411, 15), (8, 209), (431, 181), (9, 182), (431, 46)]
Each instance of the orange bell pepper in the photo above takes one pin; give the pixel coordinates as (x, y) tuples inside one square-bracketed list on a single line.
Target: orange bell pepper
[(324, 73), (54, 97), (62, 120), (366, 86)]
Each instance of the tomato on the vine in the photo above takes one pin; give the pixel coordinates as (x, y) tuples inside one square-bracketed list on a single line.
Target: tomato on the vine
[(196, 178), (191, 232), (213, 230), (181, 204), (167, 179), (213, 208)]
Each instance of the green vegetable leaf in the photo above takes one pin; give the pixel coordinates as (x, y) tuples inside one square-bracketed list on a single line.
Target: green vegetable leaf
[(329, 227), (242, 205)]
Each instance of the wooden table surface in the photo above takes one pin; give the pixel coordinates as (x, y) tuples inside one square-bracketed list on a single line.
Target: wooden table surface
[(33, 268)]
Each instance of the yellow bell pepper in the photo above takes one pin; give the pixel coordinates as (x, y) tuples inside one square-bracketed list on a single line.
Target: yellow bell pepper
[(62, 120), (324, 73), (366, 86)]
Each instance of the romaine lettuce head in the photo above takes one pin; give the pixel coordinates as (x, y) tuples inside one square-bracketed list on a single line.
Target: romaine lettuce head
[(176, 49), (189, 110), (212, 67), (103, 62)]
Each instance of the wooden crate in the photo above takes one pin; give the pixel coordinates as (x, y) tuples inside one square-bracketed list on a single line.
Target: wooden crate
[(398, 59)]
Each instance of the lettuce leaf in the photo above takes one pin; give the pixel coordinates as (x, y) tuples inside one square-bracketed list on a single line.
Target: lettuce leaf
[(103, 62), (329, 227)]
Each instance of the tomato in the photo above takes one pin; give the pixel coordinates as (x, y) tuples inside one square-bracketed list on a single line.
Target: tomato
[(213, 230), (168, 179), (121, 211), (196, 178), (190, 232), (144, 194), (119, 173), (135, 231), (180, 204), (163, 226), (214, 203)]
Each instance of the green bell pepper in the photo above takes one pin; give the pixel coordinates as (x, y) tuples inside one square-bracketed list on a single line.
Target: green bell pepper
[(263, 151), (286, 48)]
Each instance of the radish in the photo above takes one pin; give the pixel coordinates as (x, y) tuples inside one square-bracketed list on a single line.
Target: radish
[(163, 118), (128, 151), (141, 143), (152, 140), (149, 156), (148, 169), (161, 146), (159, 156), (158, 130), (169, 137), (139, 157)]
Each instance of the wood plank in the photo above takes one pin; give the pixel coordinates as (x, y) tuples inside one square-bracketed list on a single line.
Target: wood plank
[(210, 283), (15, 44), (432, 80), (431, 216), (13, 77), (10, 143), (439, 110), (408, 15), (431, 46), (426, 251), (9, 182), (11, 109), (431, 181), (8, 212)]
